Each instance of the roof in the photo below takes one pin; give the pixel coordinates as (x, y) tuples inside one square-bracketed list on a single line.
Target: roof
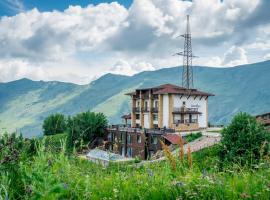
[(172, 138), (104, 155), (174, 89), (127, 116), (263, 114)]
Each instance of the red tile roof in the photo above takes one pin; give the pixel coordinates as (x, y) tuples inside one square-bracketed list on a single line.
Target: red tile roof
[(173, 89), (172, 138), (128, 116)]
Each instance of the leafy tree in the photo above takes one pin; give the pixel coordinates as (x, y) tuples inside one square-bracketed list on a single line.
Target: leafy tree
[(54, 124), (85, 127), (244, 141)]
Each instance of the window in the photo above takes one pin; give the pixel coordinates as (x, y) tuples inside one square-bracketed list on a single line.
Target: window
[(122, 137), (109, 137), (155, 117), (129, 152), (139, 139), (137, 116), (138, 104), (184, 103), (129, 139), (146, 105), (123, 151), (156, 104), (154, 140)]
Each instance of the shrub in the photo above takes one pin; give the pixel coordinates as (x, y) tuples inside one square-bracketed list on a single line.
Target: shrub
[(13, 150), (85, 127), (54, 124), (244, 141)]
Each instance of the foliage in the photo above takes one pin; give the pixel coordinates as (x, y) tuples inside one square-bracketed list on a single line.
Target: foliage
[(244, 141), (54, 142), (13, 150), (50, 175), (54, 124), (85, 127), (193, 136)]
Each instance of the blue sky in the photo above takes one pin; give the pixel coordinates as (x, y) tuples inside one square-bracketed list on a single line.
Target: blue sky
[(11, 7), (74, 42)]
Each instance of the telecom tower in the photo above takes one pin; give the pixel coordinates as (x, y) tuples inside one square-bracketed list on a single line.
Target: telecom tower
[(187, 75)]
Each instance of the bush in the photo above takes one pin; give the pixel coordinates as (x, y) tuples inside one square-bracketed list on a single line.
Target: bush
[(14, 149), (54, 124), (85, 127), (244, 141)]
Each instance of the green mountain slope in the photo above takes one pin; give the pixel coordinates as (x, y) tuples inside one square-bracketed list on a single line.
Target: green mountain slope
[(25, 103)]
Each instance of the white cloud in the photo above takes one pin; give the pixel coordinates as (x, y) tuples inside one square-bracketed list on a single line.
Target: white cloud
[(235, 56), (79, 44), (267, 57)]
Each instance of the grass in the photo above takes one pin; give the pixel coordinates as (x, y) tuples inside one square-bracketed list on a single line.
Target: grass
[(193, 136), (55, 175)]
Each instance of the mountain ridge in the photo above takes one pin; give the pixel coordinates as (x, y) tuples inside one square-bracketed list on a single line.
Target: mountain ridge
[(25, 103)]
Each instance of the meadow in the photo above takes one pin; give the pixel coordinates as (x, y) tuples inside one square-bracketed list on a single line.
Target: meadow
[(44, 169), (51, 175)]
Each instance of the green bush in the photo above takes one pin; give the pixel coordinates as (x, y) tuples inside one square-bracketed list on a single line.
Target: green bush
[(54, 124), (14, 149), (85, 127), (244, 141)]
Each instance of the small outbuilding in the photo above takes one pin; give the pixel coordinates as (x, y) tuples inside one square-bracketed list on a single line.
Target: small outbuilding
[(103, 158)]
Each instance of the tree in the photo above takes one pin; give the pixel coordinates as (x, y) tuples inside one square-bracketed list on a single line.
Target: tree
[(85, 127), (54, 124), (244, 141)]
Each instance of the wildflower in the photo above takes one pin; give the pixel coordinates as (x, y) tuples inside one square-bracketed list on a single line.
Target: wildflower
[(169, 155), (178, 183), (181, 149), (244, 195), (150, 172), (189, 157), (65, 186), (204, 174), (49, 163)]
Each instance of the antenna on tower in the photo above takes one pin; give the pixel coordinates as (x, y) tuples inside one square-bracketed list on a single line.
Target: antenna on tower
[(187, 75)]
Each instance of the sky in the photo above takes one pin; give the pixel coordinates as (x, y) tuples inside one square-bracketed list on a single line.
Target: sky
[(79, 41)]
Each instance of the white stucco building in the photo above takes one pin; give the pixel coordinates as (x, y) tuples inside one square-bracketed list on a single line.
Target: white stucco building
[(169, 106)]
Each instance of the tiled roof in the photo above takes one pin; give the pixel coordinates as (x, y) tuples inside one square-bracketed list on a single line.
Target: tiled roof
[(128, 116), (174, 89), (172, 138)]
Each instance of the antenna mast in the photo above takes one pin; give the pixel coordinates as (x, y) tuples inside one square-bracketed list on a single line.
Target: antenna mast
[(187, 75)]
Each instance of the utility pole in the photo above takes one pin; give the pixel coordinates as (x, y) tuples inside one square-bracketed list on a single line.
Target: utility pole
[(187, 75)]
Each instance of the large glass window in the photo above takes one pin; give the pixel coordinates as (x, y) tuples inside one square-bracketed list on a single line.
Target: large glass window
[(139, 139), (129, 152), (155, 117), (129, 139), (154, 139)]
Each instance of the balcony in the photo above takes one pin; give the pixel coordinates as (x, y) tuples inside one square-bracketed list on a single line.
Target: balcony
[(136, 109), (146, 109), (184, 110), (154, 110), (145, 96), (186, 121)]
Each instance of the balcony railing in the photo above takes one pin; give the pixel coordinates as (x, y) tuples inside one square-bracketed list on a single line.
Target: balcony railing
[(146, 109), (154, 109), (136, 109), (185, 109), (186, 121)]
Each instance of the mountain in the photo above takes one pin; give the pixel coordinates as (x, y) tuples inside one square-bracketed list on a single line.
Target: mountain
[(25, 103)]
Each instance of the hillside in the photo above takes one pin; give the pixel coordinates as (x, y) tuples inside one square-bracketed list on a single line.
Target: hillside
[(25, 103)]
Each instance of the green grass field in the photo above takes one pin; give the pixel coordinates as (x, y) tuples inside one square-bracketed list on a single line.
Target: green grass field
[(51, 174)]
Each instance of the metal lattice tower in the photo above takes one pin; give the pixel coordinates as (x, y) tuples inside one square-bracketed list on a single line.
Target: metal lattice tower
[(187, 75)]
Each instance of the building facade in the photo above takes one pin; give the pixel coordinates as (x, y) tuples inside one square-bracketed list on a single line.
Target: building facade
[(171, 107), (264, 119), (132, 142)]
